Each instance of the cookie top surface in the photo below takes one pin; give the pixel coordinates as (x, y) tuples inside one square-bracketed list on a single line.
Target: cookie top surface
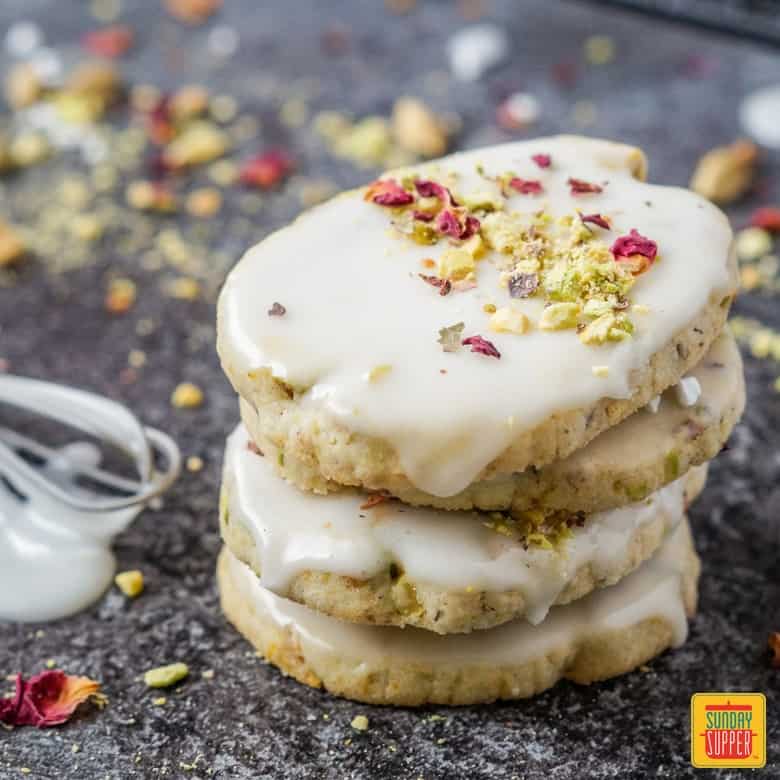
[(357, 331), (344, 534), (653, 590)]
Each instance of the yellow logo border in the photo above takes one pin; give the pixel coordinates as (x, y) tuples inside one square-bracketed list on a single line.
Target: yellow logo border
[(726, 695)]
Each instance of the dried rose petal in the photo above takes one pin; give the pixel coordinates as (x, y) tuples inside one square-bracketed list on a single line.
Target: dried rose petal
[(542, 160), (472, 226), (277, 310), (252, 447), (388, 192), (266, 170), (523, 285), (109, 42), (580, 187), (450, 222), (482, 346), (159, 122), (774, 646), (423, 216), (444, 285), (526, 186), (432, 189), (47, 699), (595, 219), (634, 244), (11, 706), (767, 218)]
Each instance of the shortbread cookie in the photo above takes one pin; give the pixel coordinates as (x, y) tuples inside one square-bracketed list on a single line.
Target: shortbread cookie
[(474, 317), (447, 572), (685, 427), (608, 633)]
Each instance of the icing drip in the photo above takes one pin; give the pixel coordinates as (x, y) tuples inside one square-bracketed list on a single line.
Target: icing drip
[(295, 531), (653, 590)]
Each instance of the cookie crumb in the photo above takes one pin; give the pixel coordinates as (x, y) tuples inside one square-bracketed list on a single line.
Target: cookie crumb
[(359, 723), (131, 583), (165, 676), (187, 396)]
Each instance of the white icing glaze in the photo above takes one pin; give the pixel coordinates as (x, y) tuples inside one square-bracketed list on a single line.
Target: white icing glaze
[(687, 391), (653, 590), (296, 531), (55, 561), (354, 302)]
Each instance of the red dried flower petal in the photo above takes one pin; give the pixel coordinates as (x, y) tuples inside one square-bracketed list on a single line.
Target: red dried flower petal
[(472, 226), (266, 170), (110, 42), (450, 222), (596, 219), (635, 245), (10, 707), (388, 192), (277, 310), (432, 189), (159, 122), (542, 160), (526, 186), (444, 285), (481, 346), (767, 218), (423, 216), (47, 699), (580, 187)]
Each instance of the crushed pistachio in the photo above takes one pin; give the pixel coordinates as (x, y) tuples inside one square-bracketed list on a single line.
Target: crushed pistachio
[(601, 371), (506, 320), (753, 243), (165, 676), (456, 263), (378, 372), (187, 396), (726, 173), (483, 200), (450, 337), (200, 142), (120, 296), (194, 464), (559, 316), (12, 246), (131, 582), (606, 327), (417, 129), (359, 723)]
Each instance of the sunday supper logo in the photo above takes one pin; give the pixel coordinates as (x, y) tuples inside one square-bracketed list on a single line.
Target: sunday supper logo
[(728, 730)]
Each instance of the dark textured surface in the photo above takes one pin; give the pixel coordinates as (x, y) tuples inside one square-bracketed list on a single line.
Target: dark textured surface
[(248, 721)]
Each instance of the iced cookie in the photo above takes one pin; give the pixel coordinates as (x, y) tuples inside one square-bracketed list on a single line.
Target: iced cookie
[(686, 426), (392, 564), (608, 633), (472, 318)]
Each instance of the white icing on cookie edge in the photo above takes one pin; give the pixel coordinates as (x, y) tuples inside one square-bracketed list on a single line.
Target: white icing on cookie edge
[(654, 590), (294, 531)]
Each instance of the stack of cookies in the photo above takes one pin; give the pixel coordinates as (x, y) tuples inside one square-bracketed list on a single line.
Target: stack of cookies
[(477, 397)]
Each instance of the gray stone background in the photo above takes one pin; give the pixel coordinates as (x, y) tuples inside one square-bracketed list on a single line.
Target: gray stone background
[(248, 721)]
